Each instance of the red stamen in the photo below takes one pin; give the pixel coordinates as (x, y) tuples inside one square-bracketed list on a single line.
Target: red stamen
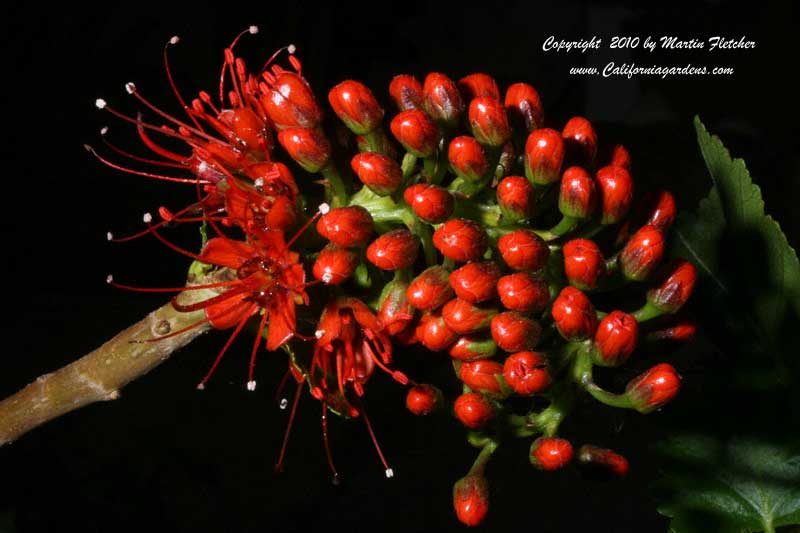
[(239, 327), (297, 393), (259, 335), (139, 172), (209, 302), (141, 159), (172, 289), (336, 480), (174, 40), (387, 469)]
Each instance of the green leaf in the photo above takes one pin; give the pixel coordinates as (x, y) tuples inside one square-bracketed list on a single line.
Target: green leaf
[(743, 485)]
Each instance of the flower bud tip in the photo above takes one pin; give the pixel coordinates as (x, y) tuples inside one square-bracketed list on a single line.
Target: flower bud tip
[(130, 87), (324, 208), (251, 385), (389, 473), (147, 218), (100, 103)]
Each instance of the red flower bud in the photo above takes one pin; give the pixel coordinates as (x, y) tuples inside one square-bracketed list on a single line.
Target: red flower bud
[(474, 410), (394, 250), (488, 121), (478, 84), (615, 339), (431, 289), (406, 91), (681, 332), (574, 315), (523, 250), (378, 172), (654, 388), (476, 282), (608, 460), (515, 333), (471, 499), (516, 197), (526, 373), (544, 155), (583, 263), (396, 312), (580, 140), (355, 105), (290, 102), (434, 334), (549, 453), (620, 157), (578, 195), (346, 226), (659, 208), (674, 289), (461, 240), (431, 203), (523, 292), (423, 399), (416, 132), (472, 347), (642, 253), (334, 265), (524, 107), (616, 193), (464, 317), (467, 158), (483, 376), (309, 148), (441, 99)]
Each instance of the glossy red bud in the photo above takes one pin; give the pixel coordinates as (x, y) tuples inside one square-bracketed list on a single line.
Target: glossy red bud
[(431, 289), (675, 289), (657, 209), (488, 121), (642, 254), (584, 264), (434, 334), (523, 292), (476, 282), (616, 193), (309, 148), (609, 460), (395, 313), (464, 317), (423, 399), (354, 104), (524, 107), (578, 194), (248, 128), (415, 130), (615, 339), (346, 226), (472, 347), (461, 240), (654, 388), (620, 157), (406, 91), (431, 203), (548, 453), (526, 373), (467, 158), (474, 410), (516, 198), (471, 499), (683, 331), (441, 99), (580, 141), (335, 265), (544, 155), (574, 315), (380, 173), (478, 84), (483, 375), (514, 332), (290, 102), (523, 250), (394, 250)]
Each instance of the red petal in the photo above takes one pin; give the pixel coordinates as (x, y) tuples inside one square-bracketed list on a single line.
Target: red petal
[(226, 252), (228, 313), (282, 322)]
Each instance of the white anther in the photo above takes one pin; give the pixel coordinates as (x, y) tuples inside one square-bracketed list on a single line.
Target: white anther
[(109, 236), (319, 333), (200, 386), (291, 48), (327, 277), (259, 183), (202, 167), (103, 130), (253, 29), (389, 473), (251, 385), (100, 103), (147, 217), (130, 87), (109, 278), (174, 39), (324, 208), (284, 403)]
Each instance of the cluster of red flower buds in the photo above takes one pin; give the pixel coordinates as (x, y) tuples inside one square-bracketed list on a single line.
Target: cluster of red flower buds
[(465, 227)]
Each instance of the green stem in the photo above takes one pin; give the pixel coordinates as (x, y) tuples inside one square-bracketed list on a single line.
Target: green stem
[(608, 398), (375, 140), (483, 457), (564, 226), (408, 165), (337, 191), (550, 419), (647, 312)]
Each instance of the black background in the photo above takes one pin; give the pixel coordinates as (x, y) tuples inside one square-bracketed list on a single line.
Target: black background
[(166, 456)]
